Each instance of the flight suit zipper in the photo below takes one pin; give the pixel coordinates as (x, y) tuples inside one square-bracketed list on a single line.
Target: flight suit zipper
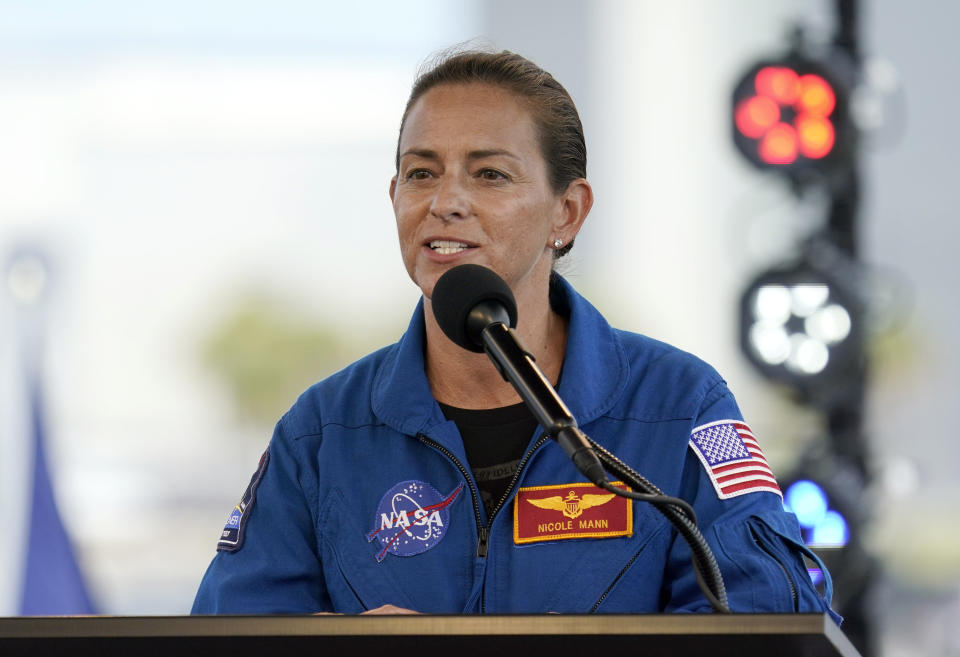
[(516, 477), (623, 571), (483, 532), (474, 495), (793, 589)]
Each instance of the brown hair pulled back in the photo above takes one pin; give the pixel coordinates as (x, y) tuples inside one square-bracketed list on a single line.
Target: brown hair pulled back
[(558, 124)]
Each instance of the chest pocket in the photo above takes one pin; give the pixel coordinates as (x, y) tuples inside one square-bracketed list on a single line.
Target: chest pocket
[(593, 574), (360, 576), (352, 575), (767, 553)]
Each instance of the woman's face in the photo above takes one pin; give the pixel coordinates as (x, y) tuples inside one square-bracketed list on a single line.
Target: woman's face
[(472, 187)]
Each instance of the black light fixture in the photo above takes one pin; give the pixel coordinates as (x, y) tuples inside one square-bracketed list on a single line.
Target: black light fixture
[(825, 528), (802, 326), (826, 493), (822, 525), (791, 114)]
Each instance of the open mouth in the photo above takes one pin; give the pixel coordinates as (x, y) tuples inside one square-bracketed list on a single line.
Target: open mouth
[(447, 247)]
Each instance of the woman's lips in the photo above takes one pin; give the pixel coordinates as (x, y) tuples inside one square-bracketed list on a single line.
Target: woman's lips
[(447, 247)]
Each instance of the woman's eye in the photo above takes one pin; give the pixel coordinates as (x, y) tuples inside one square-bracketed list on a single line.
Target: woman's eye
[(418, 174), (492, 174)]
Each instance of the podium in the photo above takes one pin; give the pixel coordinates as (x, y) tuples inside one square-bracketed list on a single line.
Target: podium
[(659, 635)]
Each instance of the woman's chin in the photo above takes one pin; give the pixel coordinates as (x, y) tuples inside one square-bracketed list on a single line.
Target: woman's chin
[(427, 276)]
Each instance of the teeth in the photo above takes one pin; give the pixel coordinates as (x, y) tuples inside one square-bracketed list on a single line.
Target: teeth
[(447, 247)]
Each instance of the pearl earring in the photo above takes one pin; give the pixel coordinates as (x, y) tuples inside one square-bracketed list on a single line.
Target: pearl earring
[(557, 243)]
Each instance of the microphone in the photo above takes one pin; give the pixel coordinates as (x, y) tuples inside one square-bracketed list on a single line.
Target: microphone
[(476, 309)]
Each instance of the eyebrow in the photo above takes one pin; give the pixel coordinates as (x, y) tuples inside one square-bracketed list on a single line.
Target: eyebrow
[(428, 154)]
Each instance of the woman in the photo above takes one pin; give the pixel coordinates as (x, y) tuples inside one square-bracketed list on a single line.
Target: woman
[(415, 478)]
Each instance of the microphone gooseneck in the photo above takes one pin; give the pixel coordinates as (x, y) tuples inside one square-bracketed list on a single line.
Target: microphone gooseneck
[(473, 305), (476, 309)]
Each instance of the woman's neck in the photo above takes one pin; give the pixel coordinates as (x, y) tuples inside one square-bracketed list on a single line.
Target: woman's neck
[(466, 379)]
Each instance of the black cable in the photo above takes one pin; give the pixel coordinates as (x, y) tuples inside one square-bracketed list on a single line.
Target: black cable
[(681, 506), (479, 321), (652, 498), (681, 516)]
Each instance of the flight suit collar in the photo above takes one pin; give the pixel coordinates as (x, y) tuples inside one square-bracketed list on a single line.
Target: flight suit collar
[(595, 371)]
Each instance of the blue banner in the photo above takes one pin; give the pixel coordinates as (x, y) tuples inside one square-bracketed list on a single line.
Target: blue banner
[(52, 582), (39, 574)]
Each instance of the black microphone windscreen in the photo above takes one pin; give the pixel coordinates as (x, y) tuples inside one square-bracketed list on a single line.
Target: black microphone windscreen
[(461, 289)]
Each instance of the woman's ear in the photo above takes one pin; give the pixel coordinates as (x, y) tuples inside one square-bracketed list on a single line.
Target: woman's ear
[(575, 204)]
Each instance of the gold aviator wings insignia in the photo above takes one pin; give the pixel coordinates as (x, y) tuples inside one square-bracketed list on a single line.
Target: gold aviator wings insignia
[(588, 501), (552, 503), (573, 506)]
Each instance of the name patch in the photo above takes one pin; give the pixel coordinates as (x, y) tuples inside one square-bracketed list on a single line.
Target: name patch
[(412, 517), (579, 510)]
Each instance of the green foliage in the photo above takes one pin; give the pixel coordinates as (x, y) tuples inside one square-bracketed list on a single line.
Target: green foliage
[(267, 356)]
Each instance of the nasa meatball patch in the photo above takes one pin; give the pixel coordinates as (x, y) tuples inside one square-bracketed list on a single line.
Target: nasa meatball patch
[(412, 517), (231, 539)]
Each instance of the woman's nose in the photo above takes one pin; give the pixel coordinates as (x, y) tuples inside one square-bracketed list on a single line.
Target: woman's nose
[(451, 199)]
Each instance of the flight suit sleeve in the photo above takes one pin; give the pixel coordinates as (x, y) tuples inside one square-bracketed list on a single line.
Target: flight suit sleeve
[(267, 560), (757, 543)]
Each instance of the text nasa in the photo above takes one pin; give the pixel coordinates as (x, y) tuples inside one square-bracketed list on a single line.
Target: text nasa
[(421, 517)]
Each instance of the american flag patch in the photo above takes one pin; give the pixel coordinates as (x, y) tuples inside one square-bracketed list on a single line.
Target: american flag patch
[(733, 459)]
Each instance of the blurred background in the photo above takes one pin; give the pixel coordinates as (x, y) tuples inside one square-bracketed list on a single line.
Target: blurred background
[(194, 226)]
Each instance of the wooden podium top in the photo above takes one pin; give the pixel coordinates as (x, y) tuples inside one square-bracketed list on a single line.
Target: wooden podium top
[(673, 635)]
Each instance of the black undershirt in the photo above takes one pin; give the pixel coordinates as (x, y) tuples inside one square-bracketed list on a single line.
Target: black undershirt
[(494, 440)]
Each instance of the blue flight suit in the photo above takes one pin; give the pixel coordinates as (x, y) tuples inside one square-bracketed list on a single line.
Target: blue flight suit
[(323, 526)]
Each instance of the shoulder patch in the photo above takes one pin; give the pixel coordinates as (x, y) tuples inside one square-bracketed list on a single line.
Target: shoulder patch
[(732, 458), (231, 539)]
